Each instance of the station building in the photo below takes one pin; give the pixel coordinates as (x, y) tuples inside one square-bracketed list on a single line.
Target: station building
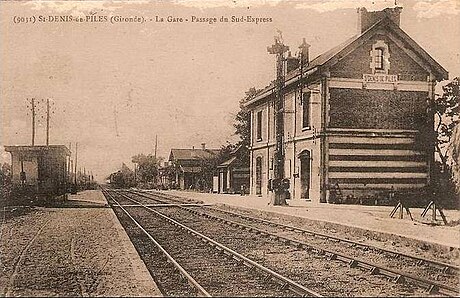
[(353, 117), (188, 165), (40, 170)]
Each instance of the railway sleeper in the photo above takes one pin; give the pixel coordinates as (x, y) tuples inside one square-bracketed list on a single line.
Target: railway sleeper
[(374, 271), (399, 279), (432, 289), (284, 286), (396, 277), (352, 263)]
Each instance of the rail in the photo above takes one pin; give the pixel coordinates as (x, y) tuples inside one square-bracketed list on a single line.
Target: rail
[(397, 275), (181, 270), (284, 281)]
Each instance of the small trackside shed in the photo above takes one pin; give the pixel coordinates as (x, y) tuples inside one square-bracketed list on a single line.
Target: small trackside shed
[(355, 117), (234, 172), (188, 165), (41, 170)]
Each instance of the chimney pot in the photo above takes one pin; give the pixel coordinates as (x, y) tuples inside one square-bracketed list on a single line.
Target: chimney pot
[(305, 52), (368, 18), (291, 62)]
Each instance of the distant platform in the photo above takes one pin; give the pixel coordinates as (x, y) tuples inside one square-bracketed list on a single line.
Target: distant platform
[(72, 252)]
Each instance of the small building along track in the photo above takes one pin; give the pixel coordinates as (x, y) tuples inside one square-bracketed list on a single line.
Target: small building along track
[(314, 260)]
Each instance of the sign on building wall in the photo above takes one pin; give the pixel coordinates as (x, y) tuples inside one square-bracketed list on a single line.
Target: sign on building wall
[(380, 78)]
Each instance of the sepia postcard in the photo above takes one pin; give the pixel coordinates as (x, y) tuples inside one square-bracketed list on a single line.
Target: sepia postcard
[(230, 148)]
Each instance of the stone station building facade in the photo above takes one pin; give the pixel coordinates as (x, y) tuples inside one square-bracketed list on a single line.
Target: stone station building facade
[(353, 116)]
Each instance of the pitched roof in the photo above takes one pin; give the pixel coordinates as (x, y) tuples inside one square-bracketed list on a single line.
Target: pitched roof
[(327, 58), (227, 162), (193, 154)]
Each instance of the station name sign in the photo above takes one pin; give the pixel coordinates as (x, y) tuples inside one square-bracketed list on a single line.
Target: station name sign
[(380, 78)]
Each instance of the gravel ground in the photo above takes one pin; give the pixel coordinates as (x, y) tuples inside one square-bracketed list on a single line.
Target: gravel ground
[(317, 219), (69, 252), (396, 243), (386, 259), (373, 219), (309, 269)]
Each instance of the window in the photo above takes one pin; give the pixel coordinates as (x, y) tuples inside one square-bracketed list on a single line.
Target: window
[(306, 110), (259, 126), (379, 59)]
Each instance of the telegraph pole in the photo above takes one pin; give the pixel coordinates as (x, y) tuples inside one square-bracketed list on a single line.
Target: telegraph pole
[(47, 121), (279, 186), (156, 145), (33, 121), (76, 155), (70, 157)]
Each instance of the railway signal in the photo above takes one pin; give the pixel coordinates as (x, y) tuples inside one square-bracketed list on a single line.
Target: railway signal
[(278, 185)]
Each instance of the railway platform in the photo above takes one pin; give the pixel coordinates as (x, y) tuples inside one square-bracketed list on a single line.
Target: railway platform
[(78, 249), (374, 219)]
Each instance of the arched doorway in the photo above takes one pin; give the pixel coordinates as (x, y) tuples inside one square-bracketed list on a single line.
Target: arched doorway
[(305, 174), (259, 175)]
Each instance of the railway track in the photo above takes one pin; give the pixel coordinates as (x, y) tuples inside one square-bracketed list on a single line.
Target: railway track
[(209, 267), (423, 273), (434, 264)]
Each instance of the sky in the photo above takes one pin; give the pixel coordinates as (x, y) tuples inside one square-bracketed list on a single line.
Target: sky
[(115, 86)]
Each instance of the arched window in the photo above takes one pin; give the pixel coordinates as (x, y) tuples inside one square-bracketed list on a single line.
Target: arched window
[(379, 59), (306, 110)]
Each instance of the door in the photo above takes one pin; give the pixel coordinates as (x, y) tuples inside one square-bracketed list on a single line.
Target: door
[(305, 173), (223, 181), (259, 175)]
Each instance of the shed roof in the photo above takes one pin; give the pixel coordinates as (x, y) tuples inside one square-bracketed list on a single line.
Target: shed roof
[(62, 149)]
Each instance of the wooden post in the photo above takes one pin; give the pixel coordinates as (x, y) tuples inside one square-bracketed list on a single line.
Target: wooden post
[(47, 121), (33, 121)]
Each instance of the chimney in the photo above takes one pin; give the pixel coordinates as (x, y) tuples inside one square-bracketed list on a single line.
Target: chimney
[(368, 18), (291, 63), (304, 52), (203, 146), (193, 147)]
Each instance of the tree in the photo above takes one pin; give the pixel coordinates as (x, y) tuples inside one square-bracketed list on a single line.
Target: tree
[(5, 181), (242, 122), (209, 165), (446, 109), (123, 177), (147, 167), (454, 151)]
